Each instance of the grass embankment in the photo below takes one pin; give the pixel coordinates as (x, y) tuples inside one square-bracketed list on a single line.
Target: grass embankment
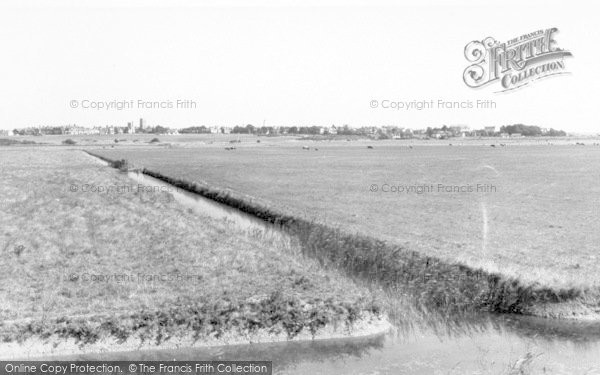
[(89, 256), (435, 283)]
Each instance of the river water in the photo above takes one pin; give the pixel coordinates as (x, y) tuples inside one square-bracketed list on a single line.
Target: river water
[(483, 344)]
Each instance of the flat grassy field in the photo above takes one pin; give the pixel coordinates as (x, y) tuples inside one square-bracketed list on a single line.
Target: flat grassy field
[(533, 216), (84, 263)]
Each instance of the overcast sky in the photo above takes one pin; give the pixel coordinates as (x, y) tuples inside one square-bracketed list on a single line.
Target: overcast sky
[(284, 64)]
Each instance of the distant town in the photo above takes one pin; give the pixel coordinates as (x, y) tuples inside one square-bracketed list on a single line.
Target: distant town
[(377, 132)]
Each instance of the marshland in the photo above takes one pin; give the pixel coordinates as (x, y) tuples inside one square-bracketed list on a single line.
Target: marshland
[(527, 228), (84, 269), (492, 282)]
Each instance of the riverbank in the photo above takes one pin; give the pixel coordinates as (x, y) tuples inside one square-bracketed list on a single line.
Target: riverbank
[(369, 325), (93, 261), (434, 282)]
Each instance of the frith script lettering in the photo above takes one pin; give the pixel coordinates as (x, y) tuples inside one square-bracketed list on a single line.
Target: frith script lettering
[(515, 63)]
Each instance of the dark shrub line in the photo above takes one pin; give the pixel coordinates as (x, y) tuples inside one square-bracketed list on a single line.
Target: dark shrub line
[(435, 283), (9, 142), (120, 164)]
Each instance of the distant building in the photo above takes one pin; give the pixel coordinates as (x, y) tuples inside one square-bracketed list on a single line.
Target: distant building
[(516, 135), (75, 130), (96, 130), (130, 128), (104, 130), (142, 124)]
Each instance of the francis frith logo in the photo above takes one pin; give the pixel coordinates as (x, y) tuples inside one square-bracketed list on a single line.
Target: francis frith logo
[(514, 63)]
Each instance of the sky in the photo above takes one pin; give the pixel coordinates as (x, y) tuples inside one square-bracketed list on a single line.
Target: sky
[(284, 63)]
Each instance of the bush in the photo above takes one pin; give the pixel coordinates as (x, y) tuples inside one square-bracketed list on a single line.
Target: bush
[(68, 142), (122, 164), (155, 140)]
